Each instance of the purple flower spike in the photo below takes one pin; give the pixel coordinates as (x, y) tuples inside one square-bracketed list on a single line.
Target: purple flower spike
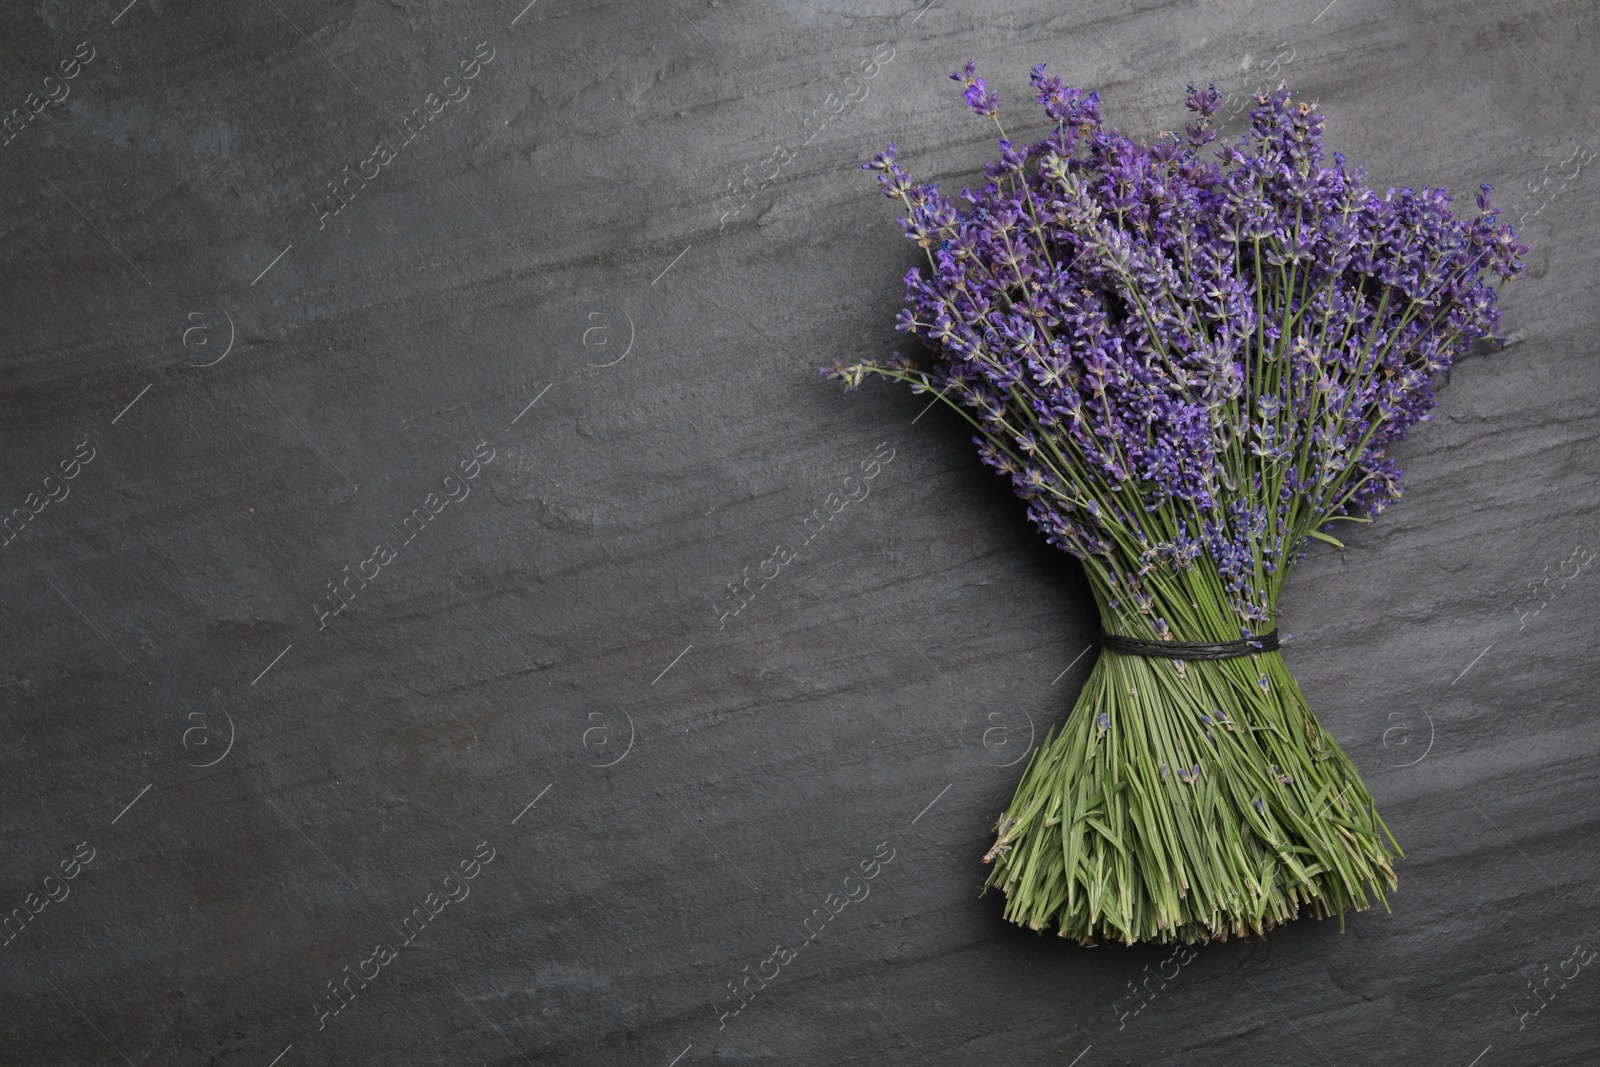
[(1190, 356), (983, 101), (1205, 101), (883, 161)]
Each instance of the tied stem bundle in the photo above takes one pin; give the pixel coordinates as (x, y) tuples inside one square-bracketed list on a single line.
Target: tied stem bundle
[(1188, 369)]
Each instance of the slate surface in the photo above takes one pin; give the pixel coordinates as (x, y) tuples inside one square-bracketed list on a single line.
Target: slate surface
[(607, 268)]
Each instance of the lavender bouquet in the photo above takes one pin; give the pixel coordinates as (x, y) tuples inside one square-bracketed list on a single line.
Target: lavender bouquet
[(1188, 369)]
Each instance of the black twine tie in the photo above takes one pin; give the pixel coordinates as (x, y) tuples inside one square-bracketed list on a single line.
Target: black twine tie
[(1132, 646)]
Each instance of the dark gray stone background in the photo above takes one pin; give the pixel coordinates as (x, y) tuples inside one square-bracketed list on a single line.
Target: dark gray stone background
[(266, 800)]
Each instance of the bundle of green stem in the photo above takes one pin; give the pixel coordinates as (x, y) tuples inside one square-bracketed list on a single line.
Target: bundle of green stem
[(1188, 370), (1187, 801)]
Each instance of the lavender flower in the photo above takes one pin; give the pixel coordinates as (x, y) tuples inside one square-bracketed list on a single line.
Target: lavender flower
[(1179, 359), (983, 101), (1189, 357)]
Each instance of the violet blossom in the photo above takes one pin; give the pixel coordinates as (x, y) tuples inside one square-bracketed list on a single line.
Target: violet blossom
[(1173, 358)]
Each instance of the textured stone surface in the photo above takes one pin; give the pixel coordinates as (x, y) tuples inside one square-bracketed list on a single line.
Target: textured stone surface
[(268, 393)]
